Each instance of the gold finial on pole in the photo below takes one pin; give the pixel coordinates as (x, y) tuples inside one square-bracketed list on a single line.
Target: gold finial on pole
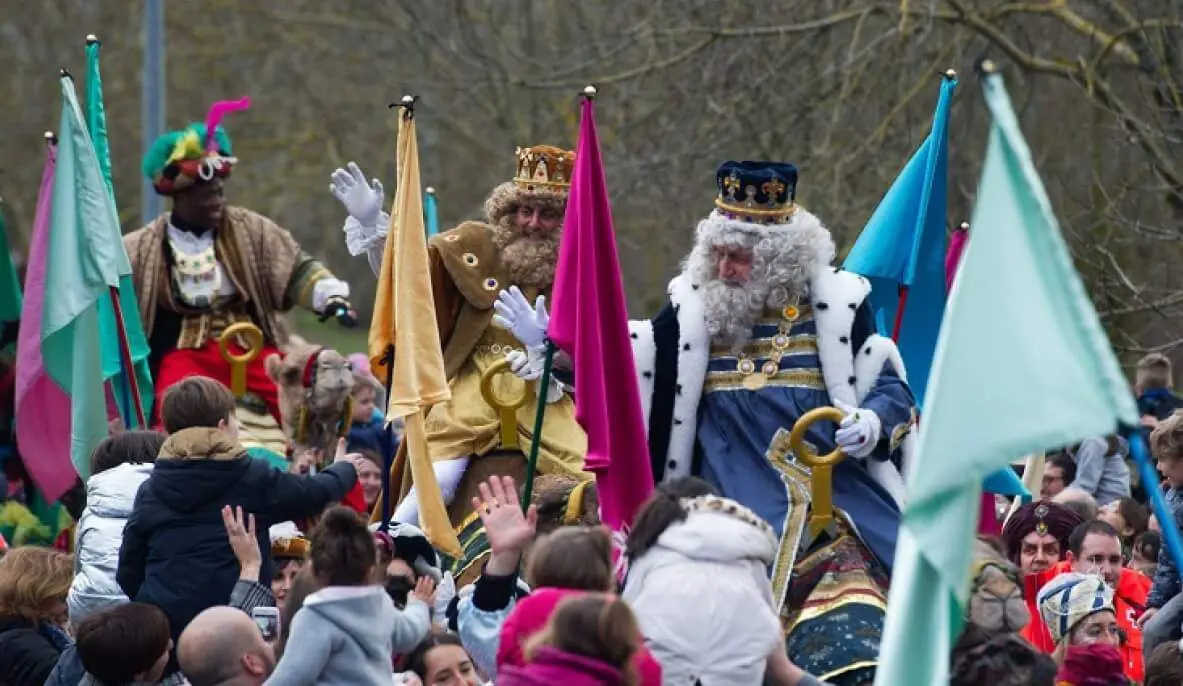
[(91, 39), (590, 92), (950, 74)]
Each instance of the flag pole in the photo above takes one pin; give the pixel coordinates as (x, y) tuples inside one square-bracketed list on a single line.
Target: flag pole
[(124, 402), (589, 94), (407, 104), (947, 75), (125, 356), (124, 345), (539, 416), (388, 444)]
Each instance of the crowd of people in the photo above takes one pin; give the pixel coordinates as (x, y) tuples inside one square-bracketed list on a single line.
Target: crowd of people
[(194, 560)]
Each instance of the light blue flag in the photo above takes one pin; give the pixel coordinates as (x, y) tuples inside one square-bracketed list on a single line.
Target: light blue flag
[(85, 257), (1019, 329), (96, 120), (903, 247), (431, 216)]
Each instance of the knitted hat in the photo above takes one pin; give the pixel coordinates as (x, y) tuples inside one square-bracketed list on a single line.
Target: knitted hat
[(1043, 517), (1071, 598)]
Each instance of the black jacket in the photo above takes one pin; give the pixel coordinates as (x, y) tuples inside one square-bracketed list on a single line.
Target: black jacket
[(175, 552), (26, 656)]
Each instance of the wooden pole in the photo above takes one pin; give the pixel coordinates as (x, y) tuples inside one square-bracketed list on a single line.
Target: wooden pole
[(125, 356)]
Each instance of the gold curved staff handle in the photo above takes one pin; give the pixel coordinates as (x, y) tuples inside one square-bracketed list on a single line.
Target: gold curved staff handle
[(507, 407), (238, 362), (821, 467)]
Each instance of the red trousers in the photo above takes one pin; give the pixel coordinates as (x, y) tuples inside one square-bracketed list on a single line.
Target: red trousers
[(207, 361)]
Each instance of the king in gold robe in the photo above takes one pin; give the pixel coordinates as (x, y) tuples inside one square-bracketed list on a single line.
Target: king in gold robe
[(516, 245)]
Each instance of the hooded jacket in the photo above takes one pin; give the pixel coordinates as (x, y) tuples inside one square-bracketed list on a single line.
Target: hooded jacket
[(703, 600), (346, 635), (109, 499), (175, 552), (553, 666)]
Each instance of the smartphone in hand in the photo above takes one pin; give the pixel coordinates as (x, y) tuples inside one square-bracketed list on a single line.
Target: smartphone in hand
[(267, 619)]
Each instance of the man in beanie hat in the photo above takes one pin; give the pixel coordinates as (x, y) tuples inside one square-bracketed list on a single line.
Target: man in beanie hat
[(206, 266), (1078, 610), (516, 245)]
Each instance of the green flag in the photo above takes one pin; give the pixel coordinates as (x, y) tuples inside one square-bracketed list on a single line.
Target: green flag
[(988, 397), (85, 257), (10, 286), (96, 119)]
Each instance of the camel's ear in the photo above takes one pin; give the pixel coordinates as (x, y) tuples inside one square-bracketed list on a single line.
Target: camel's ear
[(273, 365)]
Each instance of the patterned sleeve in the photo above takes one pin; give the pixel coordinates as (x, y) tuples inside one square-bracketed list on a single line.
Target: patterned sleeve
[(312, 284), (247, 595)]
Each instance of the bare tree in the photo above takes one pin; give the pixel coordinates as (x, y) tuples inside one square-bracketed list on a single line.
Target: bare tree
[(842, 88)]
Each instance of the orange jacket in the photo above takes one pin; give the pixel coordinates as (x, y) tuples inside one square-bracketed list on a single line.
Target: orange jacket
[(1129, 600)]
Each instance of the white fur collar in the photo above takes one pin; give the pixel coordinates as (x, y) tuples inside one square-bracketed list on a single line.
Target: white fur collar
[(836, 297)]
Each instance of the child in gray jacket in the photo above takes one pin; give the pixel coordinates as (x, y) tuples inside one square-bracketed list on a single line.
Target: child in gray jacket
[(347, 632)]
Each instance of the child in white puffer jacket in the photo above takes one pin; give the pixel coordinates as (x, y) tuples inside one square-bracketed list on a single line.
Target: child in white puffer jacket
[(118, 466)]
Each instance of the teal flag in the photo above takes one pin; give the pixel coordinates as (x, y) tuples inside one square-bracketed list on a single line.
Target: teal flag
[(1019, 329), (96, 120), (85, 257), (431, 214), (10, 285), (903, 247)]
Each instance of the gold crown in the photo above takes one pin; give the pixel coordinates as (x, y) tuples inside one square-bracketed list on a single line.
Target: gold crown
[(544, 167)]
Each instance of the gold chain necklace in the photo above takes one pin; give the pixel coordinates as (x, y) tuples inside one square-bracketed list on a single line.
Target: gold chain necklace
[(755, 379)]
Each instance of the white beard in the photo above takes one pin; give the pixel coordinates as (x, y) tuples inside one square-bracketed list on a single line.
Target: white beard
[(784, 259), (732, 310)]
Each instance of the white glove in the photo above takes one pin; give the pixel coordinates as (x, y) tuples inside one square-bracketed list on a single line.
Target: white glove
[(362, 200), (520, 364), (528, 367), (514, 314), (858, 434)]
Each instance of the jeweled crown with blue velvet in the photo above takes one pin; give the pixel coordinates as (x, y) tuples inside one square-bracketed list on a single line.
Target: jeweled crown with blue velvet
[(757, 192)]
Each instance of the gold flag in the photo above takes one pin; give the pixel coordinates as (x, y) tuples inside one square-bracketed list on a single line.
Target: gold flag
[(404, 318)]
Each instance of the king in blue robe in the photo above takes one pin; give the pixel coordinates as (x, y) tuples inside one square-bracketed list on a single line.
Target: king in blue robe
[(759, 330)]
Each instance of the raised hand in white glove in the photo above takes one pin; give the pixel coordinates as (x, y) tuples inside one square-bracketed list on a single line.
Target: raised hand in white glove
[(362, 200), (858, 434), (513, 313)]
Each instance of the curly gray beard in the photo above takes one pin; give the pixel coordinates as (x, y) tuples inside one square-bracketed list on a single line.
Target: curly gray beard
[(782, 266), (528, 263)]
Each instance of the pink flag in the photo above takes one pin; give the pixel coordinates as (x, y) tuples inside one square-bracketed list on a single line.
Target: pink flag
[(42, 407), (957, 243), (988, 517), (590, 322)]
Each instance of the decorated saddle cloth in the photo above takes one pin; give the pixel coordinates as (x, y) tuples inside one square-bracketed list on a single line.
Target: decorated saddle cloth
[(833, 590)]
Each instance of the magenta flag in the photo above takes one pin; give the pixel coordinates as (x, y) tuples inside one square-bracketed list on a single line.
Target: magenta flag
[(988, 518), (589, 321), (42, 408), (957, 243)]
